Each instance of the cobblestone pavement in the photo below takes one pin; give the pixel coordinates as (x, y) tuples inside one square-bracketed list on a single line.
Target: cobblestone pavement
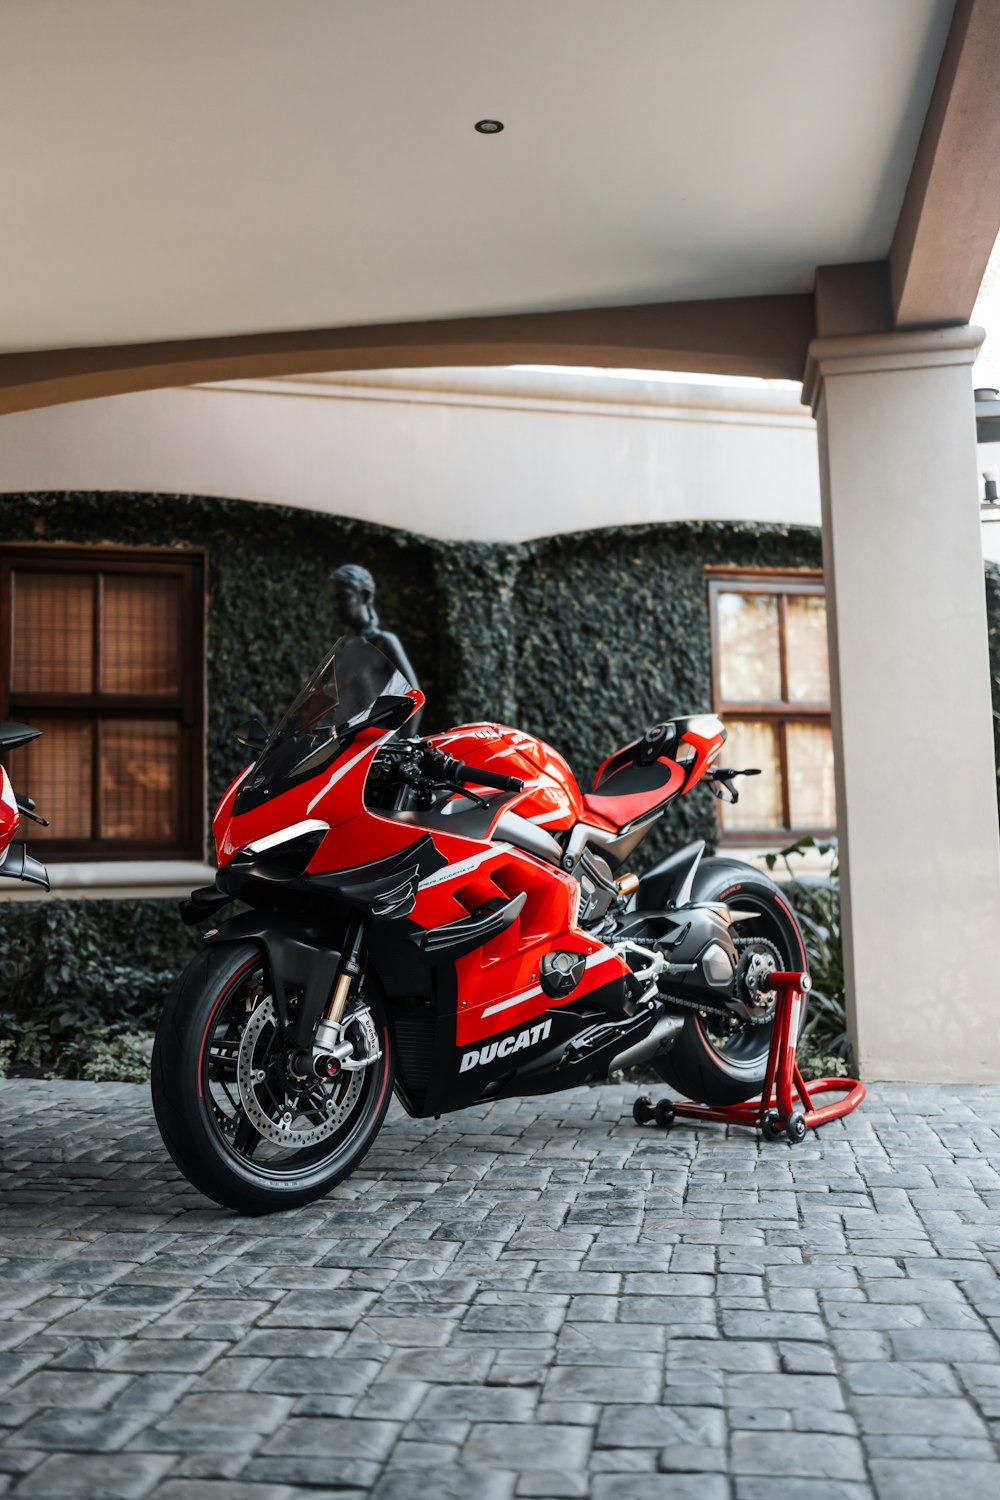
[(530, 1299)]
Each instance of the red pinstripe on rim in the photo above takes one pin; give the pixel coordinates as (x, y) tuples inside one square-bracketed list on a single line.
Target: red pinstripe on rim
[(250, 964)]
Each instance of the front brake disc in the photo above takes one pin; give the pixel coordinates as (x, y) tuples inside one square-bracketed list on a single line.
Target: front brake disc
[(274, 1107)]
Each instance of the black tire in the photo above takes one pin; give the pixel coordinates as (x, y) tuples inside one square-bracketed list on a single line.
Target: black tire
[(700, 1066), (194, 1074)]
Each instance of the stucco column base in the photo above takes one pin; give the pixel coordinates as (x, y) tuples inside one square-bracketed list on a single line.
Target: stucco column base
[(916, 787)]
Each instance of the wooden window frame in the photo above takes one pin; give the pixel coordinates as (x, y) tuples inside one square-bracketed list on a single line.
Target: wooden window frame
[(804, 581), (186, 707)]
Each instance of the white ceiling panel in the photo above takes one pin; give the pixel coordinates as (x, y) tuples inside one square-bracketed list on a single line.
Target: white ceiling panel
[(185, 168)]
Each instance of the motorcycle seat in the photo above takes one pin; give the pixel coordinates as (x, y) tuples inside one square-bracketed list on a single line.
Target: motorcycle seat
[(632, 791)]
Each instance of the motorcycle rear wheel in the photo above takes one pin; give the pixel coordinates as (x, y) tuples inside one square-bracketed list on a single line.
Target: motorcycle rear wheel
[(708, 1063), (218, 1023)]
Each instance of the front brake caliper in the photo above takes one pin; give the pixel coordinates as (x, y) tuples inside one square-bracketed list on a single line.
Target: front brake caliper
[(346, 1053)]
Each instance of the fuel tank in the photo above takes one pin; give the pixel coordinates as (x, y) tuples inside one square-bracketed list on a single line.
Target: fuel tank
[(551, 797)]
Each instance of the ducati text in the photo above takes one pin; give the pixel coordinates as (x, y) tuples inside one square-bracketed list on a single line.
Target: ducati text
[(508, 1044)]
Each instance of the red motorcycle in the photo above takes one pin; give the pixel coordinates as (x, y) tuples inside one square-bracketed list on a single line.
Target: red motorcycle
[(442, 918), (15, 861)]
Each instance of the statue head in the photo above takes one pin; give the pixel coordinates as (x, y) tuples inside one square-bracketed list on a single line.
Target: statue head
[(354, 597)]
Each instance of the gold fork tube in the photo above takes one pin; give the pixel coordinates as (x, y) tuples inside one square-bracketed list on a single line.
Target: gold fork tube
[(338, 999)]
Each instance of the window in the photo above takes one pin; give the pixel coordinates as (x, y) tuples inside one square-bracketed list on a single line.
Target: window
[(103, 651), (771, 687)]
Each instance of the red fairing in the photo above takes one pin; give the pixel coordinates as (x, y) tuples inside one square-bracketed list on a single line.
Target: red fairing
[(498, 983), (10, 818), (483, 858), (224, 848), (706, 747), (551, 798)]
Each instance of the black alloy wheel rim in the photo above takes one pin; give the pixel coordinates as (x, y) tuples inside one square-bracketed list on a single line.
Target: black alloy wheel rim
[(233, 1130)]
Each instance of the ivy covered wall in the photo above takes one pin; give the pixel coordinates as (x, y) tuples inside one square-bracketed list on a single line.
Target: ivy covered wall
[(583, 639)]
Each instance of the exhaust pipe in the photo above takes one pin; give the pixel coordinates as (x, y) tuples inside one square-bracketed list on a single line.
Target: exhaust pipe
[(660, 1039)]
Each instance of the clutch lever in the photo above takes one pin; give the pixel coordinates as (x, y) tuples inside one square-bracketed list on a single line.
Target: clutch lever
[(462, 791)]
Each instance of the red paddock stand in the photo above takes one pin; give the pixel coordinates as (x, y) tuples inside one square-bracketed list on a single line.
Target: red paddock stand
[(785, 1106)]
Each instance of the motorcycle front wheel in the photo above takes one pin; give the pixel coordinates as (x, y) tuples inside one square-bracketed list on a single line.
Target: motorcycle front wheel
[(715, 1061), (235, 1118)]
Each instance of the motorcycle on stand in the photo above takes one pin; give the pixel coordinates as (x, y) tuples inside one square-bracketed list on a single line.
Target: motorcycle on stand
[(451, 920)]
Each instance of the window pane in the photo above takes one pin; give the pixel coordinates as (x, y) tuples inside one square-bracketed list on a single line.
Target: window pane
[(754, 743), (810, 776), (56, 770), (805, 643), (53, 633), (140, 790), (749, 651), (140, 635)]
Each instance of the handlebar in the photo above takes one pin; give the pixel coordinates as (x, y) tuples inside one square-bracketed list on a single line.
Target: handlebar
[(458, 771)]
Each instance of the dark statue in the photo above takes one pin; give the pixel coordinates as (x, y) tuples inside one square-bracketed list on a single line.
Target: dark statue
[(354, 601)]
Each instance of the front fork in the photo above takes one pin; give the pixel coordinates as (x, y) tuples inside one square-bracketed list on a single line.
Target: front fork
[(332, 1051)]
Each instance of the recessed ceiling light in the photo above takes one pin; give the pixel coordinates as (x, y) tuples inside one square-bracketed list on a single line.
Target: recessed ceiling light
[(489, 127)]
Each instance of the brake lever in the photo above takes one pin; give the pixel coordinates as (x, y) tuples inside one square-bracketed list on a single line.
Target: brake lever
[(29, 812)]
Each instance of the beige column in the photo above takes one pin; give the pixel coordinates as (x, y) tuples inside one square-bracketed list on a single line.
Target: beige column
[(916, 788)]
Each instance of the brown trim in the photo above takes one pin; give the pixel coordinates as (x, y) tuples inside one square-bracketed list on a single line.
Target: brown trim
[(59, 555), (786, 795), (765, 336), (773, 837), (853, 299), (950, 216), (185, 706), (782, 643), (794, 576), (752, 709)]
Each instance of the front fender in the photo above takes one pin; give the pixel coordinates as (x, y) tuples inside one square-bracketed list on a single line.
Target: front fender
[(297, 958)]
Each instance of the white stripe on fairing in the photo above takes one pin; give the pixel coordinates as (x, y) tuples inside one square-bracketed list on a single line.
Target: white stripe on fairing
[(464, 867), (602, 956), (549, 817), (6, 790), (272, 840), (349, 766)]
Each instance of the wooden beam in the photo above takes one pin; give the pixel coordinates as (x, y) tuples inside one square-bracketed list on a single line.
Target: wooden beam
[(951, 210), (853, 299), (765, 336)]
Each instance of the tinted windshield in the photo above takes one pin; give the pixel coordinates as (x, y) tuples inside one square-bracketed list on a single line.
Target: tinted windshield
[(335, 702)]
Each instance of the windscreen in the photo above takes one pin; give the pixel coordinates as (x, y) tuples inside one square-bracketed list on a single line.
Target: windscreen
[(335, 702)]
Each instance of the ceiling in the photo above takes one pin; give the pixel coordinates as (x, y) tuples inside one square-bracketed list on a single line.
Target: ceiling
[(213, 167)]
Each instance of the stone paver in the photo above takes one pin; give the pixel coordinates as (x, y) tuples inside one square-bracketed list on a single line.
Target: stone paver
[(532, 1299)]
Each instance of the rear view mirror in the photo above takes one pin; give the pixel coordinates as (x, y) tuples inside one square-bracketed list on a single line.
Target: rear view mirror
[(253, 735)]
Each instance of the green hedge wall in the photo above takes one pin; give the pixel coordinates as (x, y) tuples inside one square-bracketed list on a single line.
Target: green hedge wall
[(583, 639)]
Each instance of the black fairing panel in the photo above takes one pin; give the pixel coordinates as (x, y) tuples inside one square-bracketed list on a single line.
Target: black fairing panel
[(385, 887), (455, 939), (20, 865), (540, 1068), (660, 886), (298, 957)]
